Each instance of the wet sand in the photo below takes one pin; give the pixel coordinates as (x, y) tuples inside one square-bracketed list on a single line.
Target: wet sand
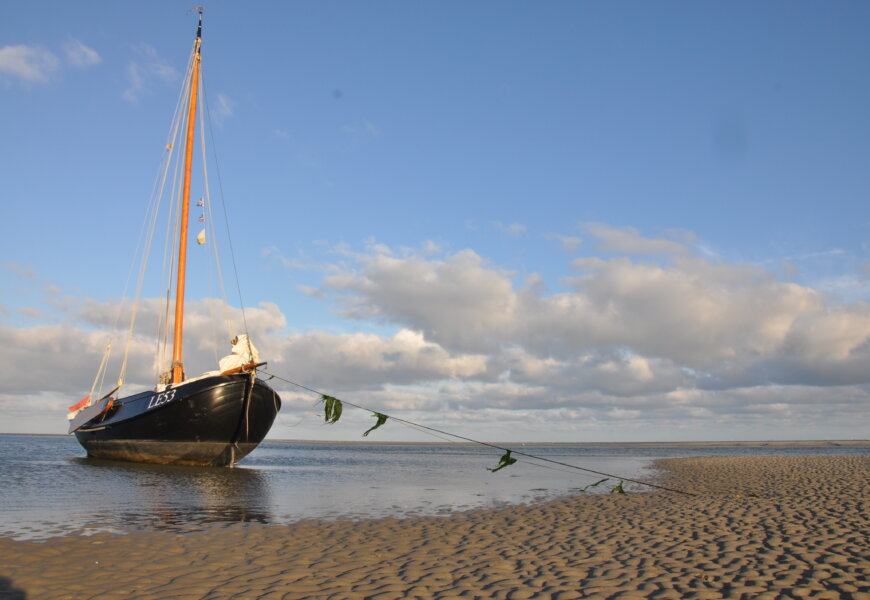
[(761, 527)]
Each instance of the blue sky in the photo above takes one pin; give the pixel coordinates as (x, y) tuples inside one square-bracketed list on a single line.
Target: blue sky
[(563, 220)]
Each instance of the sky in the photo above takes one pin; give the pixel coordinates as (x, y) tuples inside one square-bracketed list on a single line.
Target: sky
[(513, 221)]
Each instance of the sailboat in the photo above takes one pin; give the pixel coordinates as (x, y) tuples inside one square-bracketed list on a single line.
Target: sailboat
[(216, 418)]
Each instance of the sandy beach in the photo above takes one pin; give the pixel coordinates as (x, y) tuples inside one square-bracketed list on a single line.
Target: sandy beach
[(760, 527)]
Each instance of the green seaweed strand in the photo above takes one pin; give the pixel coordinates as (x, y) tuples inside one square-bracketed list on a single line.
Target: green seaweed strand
[(381, 420), (596, 484), (505, 461), (331, 409)]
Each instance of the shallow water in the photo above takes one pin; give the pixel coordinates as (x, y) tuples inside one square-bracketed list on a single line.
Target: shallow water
[(49, 488)]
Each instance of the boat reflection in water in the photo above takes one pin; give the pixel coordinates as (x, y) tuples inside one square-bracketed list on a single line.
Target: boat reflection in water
[(176, 498)]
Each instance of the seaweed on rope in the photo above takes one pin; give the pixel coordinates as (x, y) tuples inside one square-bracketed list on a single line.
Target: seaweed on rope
[(506, 460), (333, 409), (382, 418), (596, 484)]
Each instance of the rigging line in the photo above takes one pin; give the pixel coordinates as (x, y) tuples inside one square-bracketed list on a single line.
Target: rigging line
[(151, 217), (101, 373), (146, 251), (146, 236), (162, 324), (208, 306), (226, 217), (205, 117), (210, 240), (160, 320), (497, 447), (166, 278), (172, 224)]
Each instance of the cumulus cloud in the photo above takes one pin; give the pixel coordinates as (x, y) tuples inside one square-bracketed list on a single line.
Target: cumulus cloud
[(567, 242), (513, 229), (35, 64), (660, 341), (145, 71), (223, 108), (686, 321), (361, 130), (627, 240), (28, 64), (64, 356), (79, 55), (368, 361), (459, 302)]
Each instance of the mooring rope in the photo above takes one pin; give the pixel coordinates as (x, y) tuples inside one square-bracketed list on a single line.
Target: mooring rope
[(487, 444)]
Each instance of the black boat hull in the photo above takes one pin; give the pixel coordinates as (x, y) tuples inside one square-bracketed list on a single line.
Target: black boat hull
[(216, 420)]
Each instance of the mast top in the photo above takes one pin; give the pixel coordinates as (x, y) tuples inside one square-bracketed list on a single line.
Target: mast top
[(199, 27)]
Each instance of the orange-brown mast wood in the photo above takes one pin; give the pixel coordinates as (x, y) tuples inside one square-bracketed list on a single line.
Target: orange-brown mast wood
[(177, 362)]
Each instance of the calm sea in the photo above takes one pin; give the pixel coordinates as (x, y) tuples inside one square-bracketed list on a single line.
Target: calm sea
[(48, 488)]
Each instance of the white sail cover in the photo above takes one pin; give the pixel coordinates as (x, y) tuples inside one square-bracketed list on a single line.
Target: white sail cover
[(244, 353)]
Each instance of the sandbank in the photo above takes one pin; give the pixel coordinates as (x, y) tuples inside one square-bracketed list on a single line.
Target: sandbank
[(760, 527)]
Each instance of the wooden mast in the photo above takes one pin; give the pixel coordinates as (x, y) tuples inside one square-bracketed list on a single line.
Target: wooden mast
[(177, 362)]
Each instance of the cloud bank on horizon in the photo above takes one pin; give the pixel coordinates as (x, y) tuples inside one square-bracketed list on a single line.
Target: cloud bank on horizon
[(645, 339)]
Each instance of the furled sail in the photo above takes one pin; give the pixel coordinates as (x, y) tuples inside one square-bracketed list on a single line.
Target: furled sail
[(244, 353)]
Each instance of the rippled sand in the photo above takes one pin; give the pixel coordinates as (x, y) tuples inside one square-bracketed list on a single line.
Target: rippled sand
[(761, 527)]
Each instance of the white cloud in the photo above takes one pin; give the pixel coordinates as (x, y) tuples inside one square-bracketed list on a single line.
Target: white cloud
[(683, 348), (725, 325), (36, 64), (362, 129), (627, 240), (513, 229), (136, 79), (621, 413), (223, 108), (20, 271), (848, 287), (567, 242), (28, 64), (365, 361), (79, 55), (141, 74), (431, 248), (458, 302)]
